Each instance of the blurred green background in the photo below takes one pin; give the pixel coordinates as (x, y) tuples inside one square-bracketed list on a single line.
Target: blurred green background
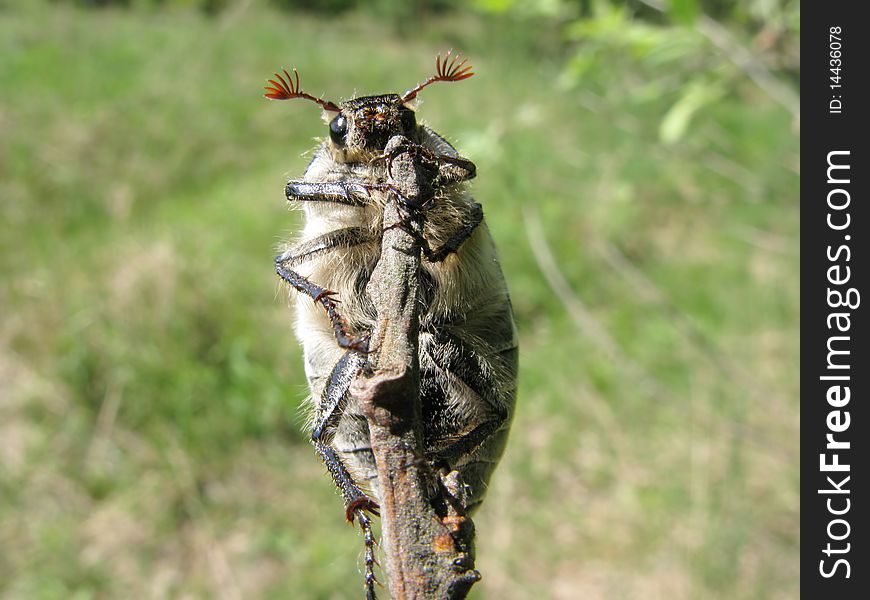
[(638, 165)]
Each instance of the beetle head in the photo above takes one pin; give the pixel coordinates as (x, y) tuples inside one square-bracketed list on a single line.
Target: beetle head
[(363, 126), (368, 123)]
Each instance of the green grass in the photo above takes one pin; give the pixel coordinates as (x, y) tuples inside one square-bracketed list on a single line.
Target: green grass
[(150, 435)]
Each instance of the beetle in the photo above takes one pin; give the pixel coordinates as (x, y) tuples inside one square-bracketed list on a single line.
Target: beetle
[(467, 342)]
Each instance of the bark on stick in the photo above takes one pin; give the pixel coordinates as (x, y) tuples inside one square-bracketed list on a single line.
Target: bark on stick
[(426, 538)]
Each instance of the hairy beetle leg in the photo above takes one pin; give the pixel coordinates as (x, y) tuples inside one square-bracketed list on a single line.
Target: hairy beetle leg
[(457, 239), (356, 501), (311, 249), (333, 399), (349, 237), (324, 297), (454, 169), (351, 193)]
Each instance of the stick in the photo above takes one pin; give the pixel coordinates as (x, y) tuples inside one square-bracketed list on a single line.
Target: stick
[(427, 538)]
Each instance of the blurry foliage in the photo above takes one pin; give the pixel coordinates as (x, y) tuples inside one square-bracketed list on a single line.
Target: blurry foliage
[(394, 9), (664, 43), (657, 38)]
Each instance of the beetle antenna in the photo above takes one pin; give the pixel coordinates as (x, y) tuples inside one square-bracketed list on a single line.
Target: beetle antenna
[(289, 89), (450, 69)]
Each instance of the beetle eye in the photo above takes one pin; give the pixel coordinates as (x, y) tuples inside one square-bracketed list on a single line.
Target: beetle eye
[(337, 129)]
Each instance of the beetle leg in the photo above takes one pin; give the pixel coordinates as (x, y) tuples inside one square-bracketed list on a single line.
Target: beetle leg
[(453, 244), (333, 398), (332, 402), (404, 146), (454, 169), (451, 169), (472, 440), (325, 298), (473, 469), (351, 193), (365, 524), (355, 500), (309, 249), (351, 236), (462, 384)]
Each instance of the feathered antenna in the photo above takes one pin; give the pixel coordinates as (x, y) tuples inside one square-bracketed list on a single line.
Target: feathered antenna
[(451, 69), (289, 89)]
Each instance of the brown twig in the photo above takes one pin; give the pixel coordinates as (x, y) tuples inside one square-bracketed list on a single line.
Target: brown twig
[(427, 538)]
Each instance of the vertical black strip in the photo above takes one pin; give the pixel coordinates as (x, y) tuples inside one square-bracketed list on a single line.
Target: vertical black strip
[(834, 265)]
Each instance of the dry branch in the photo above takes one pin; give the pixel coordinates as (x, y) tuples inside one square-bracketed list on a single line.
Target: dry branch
[(426, 537)]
